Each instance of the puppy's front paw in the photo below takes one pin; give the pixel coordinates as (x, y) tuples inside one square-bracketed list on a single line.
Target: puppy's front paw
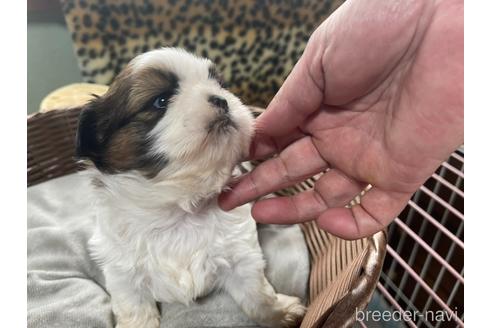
[(292, 311)]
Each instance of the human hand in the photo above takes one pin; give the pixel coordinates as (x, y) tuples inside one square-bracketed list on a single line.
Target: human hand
[(377, 97)]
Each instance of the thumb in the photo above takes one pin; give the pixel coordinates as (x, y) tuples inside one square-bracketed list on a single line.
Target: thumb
[(300, 95)]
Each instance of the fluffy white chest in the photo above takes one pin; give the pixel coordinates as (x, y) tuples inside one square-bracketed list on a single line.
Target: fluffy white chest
[(177, 256)]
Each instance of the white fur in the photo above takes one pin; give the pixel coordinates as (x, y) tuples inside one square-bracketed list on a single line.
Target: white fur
[(165, 239)]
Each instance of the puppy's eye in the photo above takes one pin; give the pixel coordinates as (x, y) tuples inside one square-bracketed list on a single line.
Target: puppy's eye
[(160, 102)]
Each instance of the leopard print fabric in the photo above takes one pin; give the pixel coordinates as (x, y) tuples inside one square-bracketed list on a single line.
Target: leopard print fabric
[(255, 43)]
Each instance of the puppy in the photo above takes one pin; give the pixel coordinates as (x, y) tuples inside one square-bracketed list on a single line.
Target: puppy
[(163, 142)]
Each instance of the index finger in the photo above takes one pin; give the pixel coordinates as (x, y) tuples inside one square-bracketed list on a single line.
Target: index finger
[(295, 163)]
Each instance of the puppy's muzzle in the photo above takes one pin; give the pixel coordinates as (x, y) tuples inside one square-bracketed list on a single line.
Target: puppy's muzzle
[(223, 121)]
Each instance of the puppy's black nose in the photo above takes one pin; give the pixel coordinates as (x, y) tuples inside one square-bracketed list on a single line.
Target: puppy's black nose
[(219, 102)]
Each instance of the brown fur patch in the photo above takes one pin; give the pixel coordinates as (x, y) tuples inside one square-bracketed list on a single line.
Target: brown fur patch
[(114, 128)]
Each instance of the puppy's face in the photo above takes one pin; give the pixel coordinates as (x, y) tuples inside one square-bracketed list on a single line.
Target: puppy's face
[(166, 115)]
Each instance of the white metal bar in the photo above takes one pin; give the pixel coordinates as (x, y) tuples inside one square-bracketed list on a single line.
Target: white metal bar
[(453, 169), (458, 157), (431, 251), (424, 285), (455, 290), (438, 281), (451, 296), (436, 239), (422, 229), (401, 242), (413, 255), (394, 303), (414, 207), (440, 276), (442, 202), (362, 324), (395, 290), (449, 185), (443, 229)]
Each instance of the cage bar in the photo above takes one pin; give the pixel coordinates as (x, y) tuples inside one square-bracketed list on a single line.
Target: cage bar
[(423, 271), (424, 285), (438, 225), (429, 249)]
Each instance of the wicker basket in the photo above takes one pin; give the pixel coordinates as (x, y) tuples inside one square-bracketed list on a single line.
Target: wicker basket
[(343, 273)]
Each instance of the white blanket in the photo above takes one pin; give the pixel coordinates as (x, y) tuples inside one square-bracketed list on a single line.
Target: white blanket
[(65, 288)]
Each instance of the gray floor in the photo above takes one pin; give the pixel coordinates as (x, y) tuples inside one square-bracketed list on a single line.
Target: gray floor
[(50, 60)]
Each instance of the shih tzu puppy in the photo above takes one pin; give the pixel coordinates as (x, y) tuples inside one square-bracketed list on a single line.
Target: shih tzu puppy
[(161, 144)]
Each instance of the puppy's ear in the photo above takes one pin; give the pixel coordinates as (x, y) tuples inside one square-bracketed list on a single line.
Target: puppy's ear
[(89, 137)]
